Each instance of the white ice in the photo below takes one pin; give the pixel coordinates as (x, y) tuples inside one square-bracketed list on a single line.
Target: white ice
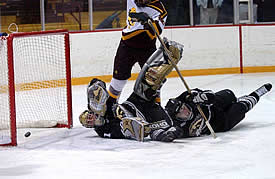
[(248, 151)]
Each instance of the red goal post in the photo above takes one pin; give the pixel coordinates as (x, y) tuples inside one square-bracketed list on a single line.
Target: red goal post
[(35, 84)]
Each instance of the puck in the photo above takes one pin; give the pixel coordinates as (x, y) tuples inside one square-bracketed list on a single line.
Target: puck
[(27, 134)]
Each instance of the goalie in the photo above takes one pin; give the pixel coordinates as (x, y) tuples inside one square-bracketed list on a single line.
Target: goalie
[(139, 116)]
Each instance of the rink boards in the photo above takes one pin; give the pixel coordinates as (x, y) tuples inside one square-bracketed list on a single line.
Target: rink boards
[(223, 49)]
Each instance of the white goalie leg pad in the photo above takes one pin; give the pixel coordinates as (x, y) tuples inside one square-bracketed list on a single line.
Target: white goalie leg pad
[(157, 67), (142, 88), (137, 128), (134, 128)]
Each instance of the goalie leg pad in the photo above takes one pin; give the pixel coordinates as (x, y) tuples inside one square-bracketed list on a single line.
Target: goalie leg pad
[(121, 112), (142, 88), (133, 128), (97, 96), (157, 67)]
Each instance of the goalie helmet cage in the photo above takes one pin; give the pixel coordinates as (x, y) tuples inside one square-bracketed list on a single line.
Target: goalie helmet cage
[(35, 84)]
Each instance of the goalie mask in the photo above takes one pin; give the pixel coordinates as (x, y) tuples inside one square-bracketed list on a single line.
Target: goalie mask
[(97, 97), (142, 3), (89, 119)]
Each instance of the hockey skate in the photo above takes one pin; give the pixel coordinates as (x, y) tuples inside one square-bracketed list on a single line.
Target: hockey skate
[(251, 100), (262, 90)]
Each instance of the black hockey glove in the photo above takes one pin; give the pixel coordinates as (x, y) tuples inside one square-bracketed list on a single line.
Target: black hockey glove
[(167, 135), (198, 96), (141, 17)]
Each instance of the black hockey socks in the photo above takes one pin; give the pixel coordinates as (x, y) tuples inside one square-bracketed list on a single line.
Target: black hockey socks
[(261, 91), (248, 101), (251, 100)]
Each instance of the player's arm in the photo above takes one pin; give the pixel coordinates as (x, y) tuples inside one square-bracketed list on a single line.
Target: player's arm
[(197, 96), (158, 17)]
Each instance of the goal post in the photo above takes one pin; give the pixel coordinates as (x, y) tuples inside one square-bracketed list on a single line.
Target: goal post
[(35, 84)]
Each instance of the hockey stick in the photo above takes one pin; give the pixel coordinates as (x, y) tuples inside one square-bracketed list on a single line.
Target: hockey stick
[(181, 77)]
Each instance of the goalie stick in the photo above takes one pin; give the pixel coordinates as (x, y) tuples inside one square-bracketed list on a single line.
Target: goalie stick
[(181, 77)]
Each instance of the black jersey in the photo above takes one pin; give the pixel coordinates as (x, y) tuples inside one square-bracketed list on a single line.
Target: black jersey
[(223, 114)]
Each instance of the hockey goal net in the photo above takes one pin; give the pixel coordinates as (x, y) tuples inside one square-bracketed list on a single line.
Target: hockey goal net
[(35, 83)]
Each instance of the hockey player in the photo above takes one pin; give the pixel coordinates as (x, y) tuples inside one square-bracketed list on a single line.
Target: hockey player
[(222, 109), (138, 42), (139, 116)]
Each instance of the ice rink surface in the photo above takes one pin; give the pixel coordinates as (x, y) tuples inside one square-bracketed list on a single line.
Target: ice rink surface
[(248, 151)]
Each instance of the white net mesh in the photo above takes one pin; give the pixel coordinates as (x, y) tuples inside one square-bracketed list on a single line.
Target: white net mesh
[(40, 73), (40, 82)]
